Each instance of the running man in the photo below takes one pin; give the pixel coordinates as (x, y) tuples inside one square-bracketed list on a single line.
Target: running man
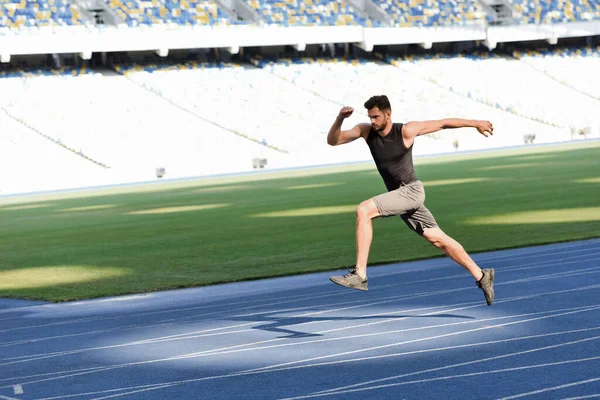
[(391, 147)]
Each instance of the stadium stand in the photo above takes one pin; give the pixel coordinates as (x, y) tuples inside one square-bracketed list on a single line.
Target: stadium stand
[(280, 109), (575, 67), (32, 162), (175, 12), (197, 12), (31, 72), (309, 13), (130, 134), (199, 118), (413, 98), (552, 11), (22, 14), (248, 101), (19, 14), (433, 12), (208, 12), (506, 83)]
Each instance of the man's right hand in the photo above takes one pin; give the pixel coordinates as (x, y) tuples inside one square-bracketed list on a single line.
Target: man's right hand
[(485, 128), (345, 112)]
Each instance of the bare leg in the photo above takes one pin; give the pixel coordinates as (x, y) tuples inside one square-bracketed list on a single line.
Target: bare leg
[(453, 249), (365, 212)]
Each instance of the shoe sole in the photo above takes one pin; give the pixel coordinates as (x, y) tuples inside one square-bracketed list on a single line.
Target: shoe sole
[(492, 277), (350, 287)]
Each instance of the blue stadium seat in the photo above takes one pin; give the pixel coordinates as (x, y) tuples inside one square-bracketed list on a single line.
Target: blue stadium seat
[(552, 11), (21, 73), (432, 12), (309, 13), (197, 12), (16, 14), (179, 12)]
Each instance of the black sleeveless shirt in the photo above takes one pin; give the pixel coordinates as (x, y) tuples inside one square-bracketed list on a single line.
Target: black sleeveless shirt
[(393, 159)]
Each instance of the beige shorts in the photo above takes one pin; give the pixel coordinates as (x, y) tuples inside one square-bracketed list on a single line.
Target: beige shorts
[(407, 202)]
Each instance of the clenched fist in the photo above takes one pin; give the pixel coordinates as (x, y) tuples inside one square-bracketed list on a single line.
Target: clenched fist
[(345, 112)]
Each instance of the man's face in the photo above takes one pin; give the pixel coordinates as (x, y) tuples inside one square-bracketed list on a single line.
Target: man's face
[(379, 119)]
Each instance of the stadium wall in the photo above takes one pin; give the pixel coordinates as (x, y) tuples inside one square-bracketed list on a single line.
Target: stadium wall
[(84, 40)]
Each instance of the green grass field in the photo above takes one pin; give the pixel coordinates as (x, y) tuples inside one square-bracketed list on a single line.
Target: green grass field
[(137, 239)]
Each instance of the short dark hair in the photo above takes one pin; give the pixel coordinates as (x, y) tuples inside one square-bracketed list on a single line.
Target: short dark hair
[(381, 102)]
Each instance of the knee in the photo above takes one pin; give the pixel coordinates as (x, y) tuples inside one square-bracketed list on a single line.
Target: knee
[(362, 211), (437, 238), (367, 210)]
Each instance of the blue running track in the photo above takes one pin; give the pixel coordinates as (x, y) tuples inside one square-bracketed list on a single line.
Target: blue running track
[(422, 331)]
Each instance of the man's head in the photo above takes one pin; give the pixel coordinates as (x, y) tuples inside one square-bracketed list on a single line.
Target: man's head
[(380, 112)]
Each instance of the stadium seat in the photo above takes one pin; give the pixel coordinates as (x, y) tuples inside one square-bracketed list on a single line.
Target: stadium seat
[(196, 12), (132, 133), (503, 82), (213, 90), (349, 82), (36, 163), (176, 12), (309, 13), (432, 12), (552, 11), (211, 118), (23, 14), (575, 67)]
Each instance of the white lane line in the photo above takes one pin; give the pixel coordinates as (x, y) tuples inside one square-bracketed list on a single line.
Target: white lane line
[(264, 302), (196, 318), (592, 252), (442, 378), (188, 335), (132, 392), (157, 323), (187, 319), (371, 382), (148, 386), (191, 335), (536, 252), (250, 372), (266, 370), (549, 252), (356, 360), (575, 311), (444, 309), (523, 267), (183, 336), (551, 388), (228, 349), (436, 349), (299, 297), (464, 307)]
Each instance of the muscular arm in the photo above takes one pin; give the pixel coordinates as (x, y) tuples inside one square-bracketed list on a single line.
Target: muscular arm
[(337, 136), (416, 128)]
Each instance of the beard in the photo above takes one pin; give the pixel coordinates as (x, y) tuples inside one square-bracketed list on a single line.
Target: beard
[(380, 128)]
